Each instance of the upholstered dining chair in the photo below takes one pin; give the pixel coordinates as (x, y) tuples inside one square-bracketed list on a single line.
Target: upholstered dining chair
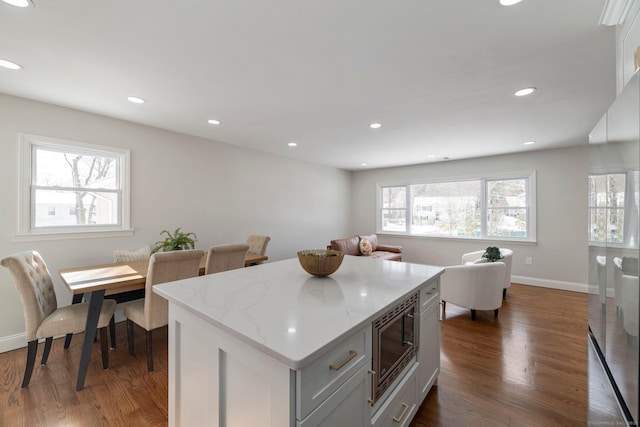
[(473, 286), (42, 317), (123, 255), (258, 244), (225, 257), (152, 312), (507, 257)]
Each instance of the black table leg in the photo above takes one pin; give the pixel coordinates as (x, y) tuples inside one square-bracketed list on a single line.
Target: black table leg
[(95, 306), (67, 339)]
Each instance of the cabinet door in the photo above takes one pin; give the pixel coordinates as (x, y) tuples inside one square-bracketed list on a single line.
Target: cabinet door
[(347, 407), (429, 352)]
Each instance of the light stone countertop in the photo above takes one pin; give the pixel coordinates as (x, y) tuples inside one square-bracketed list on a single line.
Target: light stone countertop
[(283, 311)]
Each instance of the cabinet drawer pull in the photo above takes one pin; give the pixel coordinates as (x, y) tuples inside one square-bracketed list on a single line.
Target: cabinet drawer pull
[(373, 387), (405, 407), (431, 291), (351, 355)]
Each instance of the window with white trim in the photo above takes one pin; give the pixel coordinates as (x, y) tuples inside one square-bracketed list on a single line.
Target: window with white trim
[(72, 187), (483, 208)]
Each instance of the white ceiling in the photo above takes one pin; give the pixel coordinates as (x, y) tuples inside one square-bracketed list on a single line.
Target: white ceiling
[(438, 74)]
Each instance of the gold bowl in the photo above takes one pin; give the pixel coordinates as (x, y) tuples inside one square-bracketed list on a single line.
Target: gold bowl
[(320, 262)]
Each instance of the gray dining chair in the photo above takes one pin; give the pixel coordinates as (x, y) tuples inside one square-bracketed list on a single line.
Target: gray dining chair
[(225, 257), (42, 317), (152, 312)]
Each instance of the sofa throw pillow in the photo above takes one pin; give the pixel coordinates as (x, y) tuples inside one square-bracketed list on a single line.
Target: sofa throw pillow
[(120, 255), (365, 247), (373, 239)]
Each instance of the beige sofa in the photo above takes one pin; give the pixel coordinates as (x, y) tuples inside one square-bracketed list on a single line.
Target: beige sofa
[(351, 246)]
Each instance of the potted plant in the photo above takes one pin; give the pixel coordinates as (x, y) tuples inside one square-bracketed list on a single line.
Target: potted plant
[(492, 254), (176, 241)]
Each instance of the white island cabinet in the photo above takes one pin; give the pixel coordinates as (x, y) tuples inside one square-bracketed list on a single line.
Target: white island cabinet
[(270, 345)]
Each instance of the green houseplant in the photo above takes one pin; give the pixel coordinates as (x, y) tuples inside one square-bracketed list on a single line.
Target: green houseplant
[(176, 241), (492, 254)]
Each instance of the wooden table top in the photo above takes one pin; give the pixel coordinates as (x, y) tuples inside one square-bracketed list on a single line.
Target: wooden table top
[(120, 277)]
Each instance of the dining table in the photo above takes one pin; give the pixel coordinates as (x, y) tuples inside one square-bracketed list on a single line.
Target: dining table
[(97, 281)]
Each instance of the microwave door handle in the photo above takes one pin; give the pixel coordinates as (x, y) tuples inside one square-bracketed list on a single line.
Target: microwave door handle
[(404, 340)]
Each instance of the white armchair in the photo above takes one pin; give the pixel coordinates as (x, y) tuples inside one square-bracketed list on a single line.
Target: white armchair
[(507, 258), (473, 286)]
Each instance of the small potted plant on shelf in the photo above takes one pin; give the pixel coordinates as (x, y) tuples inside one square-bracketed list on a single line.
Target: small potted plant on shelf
[(175, 242), (492, 254)]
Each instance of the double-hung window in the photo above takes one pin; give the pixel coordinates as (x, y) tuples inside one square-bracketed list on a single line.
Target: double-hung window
[(479, 208), (72, 188)]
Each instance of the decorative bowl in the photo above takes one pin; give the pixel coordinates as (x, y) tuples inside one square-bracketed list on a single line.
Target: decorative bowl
[(320, 262)]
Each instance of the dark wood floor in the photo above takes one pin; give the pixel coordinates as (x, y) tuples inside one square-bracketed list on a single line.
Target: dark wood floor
[(527, 368)]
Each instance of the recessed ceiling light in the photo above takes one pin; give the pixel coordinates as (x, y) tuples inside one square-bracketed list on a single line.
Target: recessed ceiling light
[(136, 100), (509, 2), (529, 142), (363, 164), (525, 91), (10, 65), (18, 3), (431, 156), (214, 122), (375, 125), (292, 144)]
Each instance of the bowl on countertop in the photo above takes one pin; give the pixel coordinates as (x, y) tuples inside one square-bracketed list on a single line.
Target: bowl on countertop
[(320, 262)]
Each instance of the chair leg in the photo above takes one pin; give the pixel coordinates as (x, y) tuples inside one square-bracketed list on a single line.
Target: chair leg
[(495, 312), (47, 349), (104, 347), (75, 300), (149, 352), (112, 331), (504, 293), (130, 337), (32, 349), (473, 315)]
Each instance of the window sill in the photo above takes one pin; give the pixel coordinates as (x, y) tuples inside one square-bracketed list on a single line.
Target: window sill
[(68, 235), (456, 238)]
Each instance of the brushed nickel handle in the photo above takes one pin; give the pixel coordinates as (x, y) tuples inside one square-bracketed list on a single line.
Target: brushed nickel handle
[(350, 357), (431, 291), (405, 408), (373, 386)]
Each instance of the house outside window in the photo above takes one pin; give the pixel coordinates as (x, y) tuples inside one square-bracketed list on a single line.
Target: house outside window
[(484, 208), (72, 188)]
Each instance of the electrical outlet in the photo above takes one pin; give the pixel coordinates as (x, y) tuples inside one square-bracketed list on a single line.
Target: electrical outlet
[(528, 260)]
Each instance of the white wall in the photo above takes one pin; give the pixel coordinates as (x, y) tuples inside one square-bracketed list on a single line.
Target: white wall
[(560, 254), (221, 192)]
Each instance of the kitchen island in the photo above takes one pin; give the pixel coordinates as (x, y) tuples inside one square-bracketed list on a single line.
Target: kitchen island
[(270, 345)]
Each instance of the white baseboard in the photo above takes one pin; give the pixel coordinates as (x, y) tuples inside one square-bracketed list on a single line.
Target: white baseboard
[(13, 342), (553, 284)]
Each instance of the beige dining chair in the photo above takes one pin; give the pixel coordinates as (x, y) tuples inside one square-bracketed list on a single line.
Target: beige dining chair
[(122, 255), (225, 257), (152, 312), (42, 317), (258, 244)]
